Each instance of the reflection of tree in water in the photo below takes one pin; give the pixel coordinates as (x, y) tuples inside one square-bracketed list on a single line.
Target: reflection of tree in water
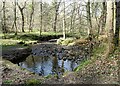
[(55, 65), (30, 61), (34, 64), (72, 65), (42, 66), (62, 67)]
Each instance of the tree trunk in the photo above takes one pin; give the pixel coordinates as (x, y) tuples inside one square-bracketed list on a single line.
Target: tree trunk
[(57, 4), (22, 20), (72, 19), (4, 19), (40, 17), (64, 23), (109, 27), (90, 33), (80, 18), (117, 30), (15, 18), (103, 18), (31, 16)]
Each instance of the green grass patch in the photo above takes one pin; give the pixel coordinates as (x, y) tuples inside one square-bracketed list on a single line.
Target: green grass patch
[(98, 50), (82, 65)]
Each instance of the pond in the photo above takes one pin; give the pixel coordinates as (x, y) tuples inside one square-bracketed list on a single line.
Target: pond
[(48, 58), (47, 65)]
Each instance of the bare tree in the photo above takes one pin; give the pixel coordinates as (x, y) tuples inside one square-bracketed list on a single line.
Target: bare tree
[(22, 14)]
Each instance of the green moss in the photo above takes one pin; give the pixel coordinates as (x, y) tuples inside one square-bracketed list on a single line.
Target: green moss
[(33, 82), (65, 41), (48, 76), (7, 82)]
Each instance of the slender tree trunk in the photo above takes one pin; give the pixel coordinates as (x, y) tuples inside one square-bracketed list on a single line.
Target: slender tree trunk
[(22, 21), (57, 4), (71, 23), (117, 30), (90, 32), (41, 17), (103, 18), (72, 18), (4, 19), (31, 17), (15, 18), (64, 23), (80, 18)]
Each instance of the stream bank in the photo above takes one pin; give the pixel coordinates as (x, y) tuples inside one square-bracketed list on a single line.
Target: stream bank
[(98, 72), (13, 74), (47, 49)]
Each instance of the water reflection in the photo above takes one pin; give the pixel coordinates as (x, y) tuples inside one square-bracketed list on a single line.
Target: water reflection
[(47, 65), (54, 65)]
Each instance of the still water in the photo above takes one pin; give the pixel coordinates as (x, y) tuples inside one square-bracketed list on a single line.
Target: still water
[(47, 65)]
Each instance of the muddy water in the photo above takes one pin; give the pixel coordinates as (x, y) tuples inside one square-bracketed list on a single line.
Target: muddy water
[(47, 65)]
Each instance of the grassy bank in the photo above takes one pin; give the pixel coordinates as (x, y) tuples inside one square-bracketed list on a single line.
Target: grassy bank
[(97, 52)]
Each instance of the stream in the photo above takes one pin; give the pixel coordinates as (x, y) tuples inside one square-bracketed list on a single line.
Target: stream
[(49, 58)]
